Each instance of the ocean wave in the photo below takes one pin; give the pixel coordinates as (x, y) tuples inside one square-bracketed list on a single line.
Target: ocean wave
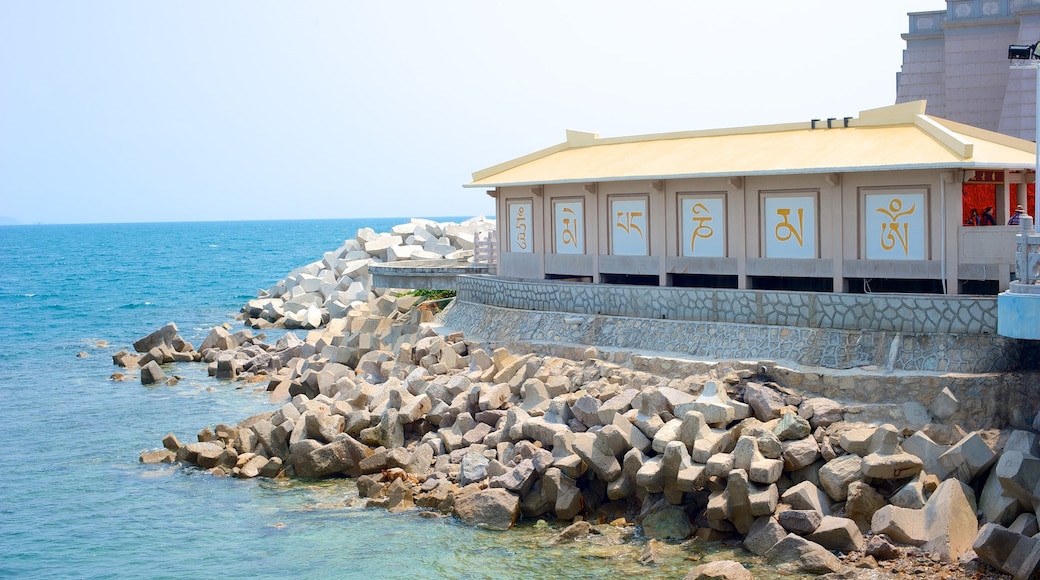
[(134, 305)]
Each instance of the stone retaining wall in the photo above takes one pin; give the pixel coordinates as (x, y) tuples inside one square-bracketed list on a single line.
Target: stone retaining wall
[(881, 312), (504, 311)]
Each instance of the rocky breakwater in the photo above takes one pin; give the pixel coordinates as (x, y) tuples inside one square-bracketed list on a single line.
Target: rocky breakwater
[(438, 423), (312, 295)]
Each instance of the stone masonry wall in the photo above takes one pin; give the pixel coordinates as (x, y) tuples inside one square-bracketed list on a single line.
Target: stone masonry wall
[(893, 333), (888, 312)]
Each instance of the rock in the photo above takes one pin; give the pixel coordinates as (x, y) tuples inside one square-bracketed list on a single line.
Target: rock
[(493, 508), (157, 456), (791, 427), (719, 570), (1008, 551), (925, 449), (586, 410), (152, 373), (763, 534), (801, 522), (970, 456), (341, 456), (219, 338), (227, 367), (713, 404), (616, 405), (902, 525), (399, 496), (806, 496), (841, 534), (880, 548), (796, 554), (1018, 475), (670, 523), (887, 460), (911, 495), (747, 456), (836, 475), (861, 504), (951, 524), (163, 336), (1025, 524), (820, 412), (994, 505), (944, 405), (387, 433), (857, 441), (597, 455), (800, 453), (474, 468), (519, 479), (572, 532), (765, 402)]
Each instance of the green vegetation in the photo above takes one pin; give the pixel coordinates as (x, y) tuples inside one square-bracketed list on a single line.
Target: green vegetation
[(434, 300), (433, 294)]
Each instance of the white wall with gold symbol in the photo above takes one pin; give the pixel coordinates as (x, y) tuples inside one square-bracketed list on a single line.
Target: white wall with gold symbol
[(519, 226), (894, 226), (629, 227), (789, 223), (568, 226), (702, 225)]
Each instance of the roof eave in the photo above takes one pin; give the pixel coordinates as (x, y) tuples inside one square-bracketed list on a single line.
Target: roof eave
[(956, 165)]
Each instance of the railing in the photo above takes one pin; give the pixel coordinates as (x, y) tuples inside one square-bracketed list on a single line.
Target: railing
[(485, 250), (1027, 256)]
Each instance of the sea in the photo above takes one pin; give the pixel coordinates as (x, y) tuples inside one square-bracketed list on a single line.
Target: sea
[(75, 501)]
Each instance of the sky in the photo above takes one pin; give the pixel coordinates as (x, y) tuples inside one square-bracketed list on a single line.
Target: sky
[(129, 111)]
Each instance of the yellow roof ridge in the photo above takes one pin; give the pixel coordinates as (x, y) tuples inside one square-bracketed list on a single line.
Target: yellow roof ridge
[(894, 114), (962, 143)]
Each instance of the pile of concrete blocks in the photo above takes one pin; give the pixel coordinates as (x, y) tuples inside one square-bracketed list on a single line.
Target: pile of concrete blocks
[(312, 295)]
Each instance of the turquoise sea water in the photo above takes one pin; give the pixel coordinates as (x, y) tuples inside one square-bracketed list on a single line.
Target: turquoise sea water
[(74, 500)]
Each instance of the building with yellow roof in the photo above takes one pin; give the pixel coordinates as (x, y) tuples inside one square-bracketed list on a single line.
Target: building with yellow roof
[(874, 203)]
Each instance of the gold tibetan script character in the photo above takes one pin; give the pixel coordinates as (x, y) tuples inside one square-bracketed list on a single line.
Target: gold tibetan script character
[(702, 229), (628, 223), (890, 232), (521, 228), (787, 227), (569, 236)]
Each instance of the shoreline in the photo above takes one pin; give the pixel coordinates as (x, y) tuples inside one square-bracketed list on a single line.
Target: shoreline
[(387, 383)]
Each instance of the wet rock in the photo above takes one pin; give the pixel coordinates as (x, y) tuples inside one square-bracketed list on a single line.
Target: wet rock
[(796, 554), (719, 570), (494, 509), (152, 373), (669, 523)]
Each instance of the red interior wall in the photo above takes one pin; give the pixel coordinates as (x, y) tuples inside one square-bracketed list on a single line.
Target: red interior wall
[(978, 196)]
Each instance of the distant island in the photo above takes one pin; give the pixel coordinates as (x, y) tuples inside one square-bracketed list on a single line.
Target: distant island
[(9, 221)]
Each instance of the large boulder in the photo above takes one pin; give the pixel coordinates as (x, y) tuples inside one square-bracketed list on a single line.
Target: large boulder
[(950, 520), (798, 555), (152, 373), (670, 523), (493, 508), (163, 336)]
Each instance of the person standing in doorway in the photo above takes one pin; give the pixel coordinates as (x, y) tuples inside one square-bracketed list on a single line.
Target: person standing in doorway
[(1017, 217), (973, 219), (987, 217)]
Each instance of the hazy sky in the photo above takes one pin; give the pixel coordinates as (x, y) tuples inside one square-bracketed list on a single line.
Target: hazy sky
[(131, 111)]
